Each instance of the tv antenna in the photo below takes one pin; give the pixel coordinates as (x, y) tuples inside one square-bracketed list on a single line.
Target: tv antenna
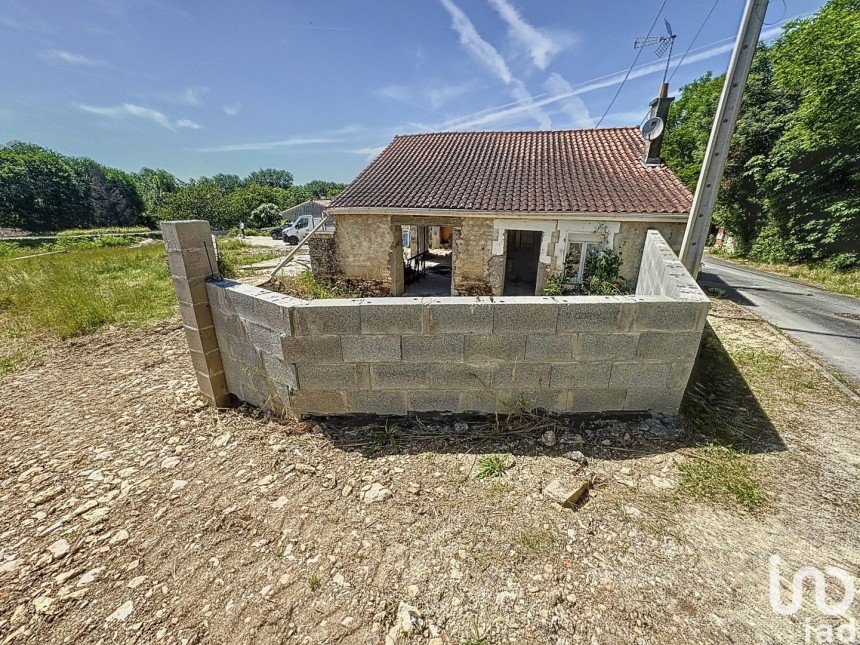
[(664, 44)]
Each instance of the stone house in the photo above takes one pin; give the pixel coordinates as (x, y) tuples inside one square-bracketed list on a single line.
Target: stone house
[(513, 207)]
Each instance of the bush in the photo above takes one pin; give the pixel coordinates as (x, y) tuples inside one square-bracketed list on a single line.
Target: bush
[(264, 215), (769, 246), (602, 266)]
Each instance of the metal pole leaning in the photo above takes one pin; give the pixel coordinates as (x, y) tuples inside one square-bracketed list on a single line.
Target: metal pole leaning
[(714, 162), (292, 253)]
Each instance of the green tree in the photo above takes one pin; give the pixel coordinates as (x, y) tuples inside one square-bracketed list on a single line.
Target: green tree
[(39, 190), (813, 186), (111, 194), (270, 177), (201, 199), (319, 189), (153, 186), (227, 181), (264, 215)]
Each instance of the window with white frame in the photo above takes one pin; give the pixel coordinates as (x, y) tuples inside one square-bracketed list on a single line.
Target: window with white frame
[(574, 263)]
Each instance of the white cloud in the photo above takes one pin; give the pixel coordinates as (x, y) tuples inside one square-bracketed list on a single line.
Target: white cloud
[(192, 95), (270, 145), (73, 59), (429, 95), (471, 40), (232, 110), (540, 46), (491, 59), (188, 123), (573, 106), (136, 111)]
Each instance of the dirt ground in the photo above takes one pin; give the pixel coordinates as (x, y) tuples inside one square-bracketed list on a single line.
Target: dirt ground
[(130, 512)]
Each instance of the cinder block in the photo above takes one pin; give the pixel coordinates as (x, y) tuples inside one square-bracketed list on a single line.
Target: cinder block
[(434, 401), (639, 375), (588, 399), (570, 376), (319, 402), (659, 400), (551, 347), (265, 339), (201, 340), (328, 317), (393, 316), (399, 376), (668, 315), (191, 290), (603, 347), (530, 400), (375, 402), (214, 388), (679, 374), (462, 376), (207, 362), (591, 313), (524, 315), (199, 315), (192, 263), (317, 349), (270, 312), (433, 349), (370, 349), (669, 345), (522, 375), (460, 316), (280, 371), (498, 347), (485, 402), (345, 376)]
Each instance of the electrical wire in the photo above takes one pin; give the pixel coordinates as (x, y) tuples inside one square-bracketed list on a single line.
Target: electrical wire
[(690, 46), (632, 65)]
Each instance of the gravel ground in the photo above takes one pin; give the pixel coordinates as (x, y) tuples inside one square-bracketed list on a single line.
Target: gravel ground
[(130, 512)]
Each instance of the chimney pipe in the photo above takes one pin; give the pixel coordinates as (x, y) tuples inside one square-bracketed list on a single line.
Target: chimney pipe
[(659, 108)]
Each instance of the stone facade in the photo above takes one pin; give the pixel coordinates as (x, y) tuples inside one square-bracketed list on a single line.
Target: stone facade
[(323, 254), (368, 247), (401, 355)]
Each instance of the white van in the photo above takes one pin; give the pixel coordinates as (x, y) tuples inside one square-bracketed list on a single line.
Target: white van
[(299, 229)]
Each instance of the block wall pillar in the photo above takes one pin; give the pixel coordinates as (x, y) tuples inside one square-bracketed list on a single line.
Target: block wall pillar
[(191, 259)]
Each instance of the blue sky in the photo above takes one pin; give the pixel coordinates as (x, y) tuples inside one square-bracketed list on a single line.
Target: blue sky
[(318, 87)]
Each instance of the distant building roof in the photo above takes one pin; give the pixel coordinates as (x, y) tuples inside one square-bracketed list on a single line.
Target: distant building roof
[(301, 209), (575, 171)]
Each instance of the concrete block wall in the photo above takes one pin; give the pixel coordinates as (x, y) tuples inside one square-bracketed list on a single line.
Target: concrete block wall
[(463, 354), (191, 259)]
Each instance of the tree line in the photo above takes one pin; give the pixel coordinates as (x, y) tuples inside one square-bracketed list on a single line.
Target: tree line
[(42, 190), (791, 188)]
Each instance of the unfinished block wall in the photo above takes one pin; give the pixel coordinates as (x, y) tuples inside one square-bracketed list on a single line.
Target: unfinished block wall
[(483, 354)]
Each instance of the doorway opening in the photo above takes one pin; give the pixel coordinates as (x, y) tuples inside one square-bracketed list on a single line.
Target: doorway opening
[(522, 255), (426, 271)]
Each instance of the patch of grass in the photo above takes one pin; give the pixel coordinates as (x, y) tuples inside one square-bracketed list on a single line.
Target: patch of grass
[(536, 540), (717, 473), (306, 287), (492, 466), (8, 364), (314, 582), (75, 293), (234, 253), (477, 633)]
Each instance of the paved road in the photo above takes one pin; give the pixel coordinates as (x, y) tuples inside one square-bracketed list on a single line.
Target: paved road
[(829, 324)]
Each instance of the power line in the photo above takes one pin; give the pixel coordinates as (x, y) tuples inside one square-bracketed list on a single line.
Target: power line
[(632, 65), (690, 46)]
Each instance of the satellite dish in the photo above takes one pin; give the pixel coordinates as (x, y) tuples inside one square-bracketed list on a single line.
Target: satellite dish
[(652, 128)]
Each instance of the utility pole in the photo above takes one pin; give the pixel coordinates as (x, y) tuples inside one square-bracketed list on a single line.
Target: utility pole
[(714, 162)]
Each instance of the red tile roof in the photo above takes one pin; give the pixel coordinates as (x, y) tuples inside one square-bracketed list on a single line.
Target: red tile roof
[(568, 171)]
